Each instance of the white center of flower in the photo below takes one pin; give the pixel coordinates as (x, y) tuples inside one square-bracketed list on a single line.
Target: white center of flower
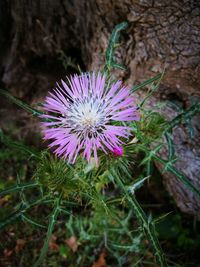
[(87, 114)]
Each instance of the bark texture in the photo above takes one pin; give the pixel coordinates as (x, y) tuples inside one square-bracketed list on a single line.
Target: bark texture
[(162, 34)]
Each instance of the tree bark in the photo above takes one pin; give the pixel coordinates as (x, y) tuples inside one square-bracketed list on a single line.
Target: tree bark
[(162, 34)]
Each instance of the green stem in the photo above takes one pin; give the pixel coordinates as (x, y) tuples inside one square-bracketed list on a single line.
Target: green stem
[(52, 221), (148, 226)]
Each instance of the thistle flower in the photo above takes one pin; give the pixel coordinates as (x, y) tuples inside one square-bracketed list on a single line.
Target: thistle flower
[(83, 116)]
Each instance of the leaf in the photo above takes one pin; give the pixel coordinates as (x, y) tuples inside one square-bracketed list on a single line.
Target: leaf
[(4, 200), (18, 187), (101, 262), (7, 252), (184, 116), (170, 168), (72, 243), (153, 88), (20, 103), (145, 83), (17, 215), (32, 221), (20, 245), (63, 249), (184, 180), (118, 66), (18, 145), (110, 62), (52, 243), (171, 150), (138, 183)]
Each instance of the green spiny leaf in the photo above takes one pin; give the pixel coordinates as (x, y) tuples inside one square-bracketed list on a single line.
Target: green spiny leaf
[(168, 166), (147, 82), (18, 187), (110, 62), (18, 145), (30, 220), (171, 150), (20, 103), (17, 215), (153, 88), (184, 116), (137, 184)]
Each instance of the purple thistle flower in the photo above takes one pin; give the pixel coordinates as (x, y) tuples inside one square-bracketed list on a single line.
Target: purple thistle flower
[(83, 114)]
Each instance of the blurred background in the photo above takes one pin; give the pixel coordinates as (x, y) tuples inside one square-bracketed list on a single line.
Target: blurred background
[(43, 41)]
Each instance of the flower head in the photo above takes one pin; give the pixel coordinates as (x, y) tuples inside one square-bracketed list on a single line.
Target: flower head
[(83, 116)]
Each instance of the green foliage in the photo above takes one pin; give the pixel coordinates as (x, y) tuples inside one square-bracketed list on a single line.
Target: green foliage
[(113, 43), (103, 230), (172, 229), (52, 221), (20, 103), (13, 155), (185, 116), (147, 82), (150, 127)]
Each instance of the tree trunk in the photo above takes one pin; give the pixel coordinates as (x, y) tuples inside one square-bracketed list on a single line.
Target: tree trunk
[(162, 34)]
